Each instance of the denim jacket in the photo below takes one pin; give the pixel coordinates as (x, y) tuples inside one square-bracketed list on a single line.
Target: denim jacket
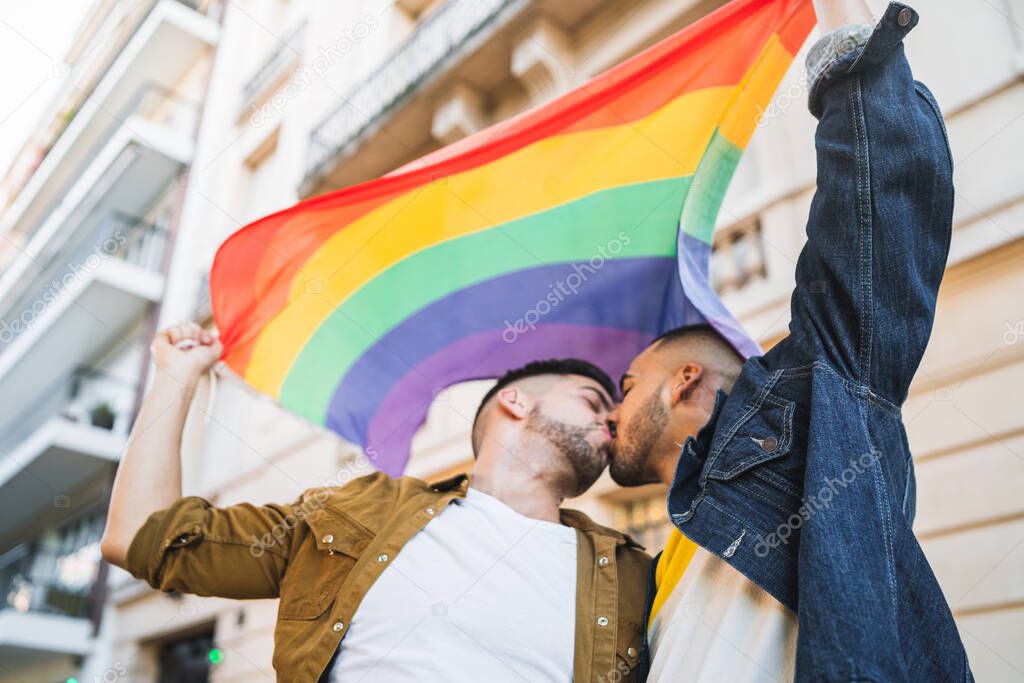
[(802, 479)]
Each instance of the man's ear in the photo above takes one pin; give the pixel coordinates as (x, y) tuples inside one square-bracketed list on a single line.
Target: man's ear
[(513, 402), (684, 382)]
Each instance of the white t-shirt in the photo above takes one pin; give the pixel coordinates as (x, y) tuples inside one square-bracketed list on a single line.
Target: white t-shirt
[(710, 623), (481, 593)]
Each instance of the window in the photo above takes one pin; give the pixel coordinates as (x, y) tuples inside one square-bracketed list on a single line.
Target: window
[(737, 256), (57, 573), (268, 188), (188, 659), (645, 520)]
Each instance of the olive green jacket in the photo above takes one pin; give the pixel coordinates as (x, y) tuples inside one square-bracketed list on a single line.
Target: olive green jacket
[(321, 554)]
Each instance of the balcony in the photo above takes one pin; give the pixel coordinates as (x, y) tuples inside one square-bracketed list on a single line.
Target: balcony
[(50, 586), (446, 34), (169, 27), (118, 237), (274, 71), (89, 269), (58, 445), (79, 306), (137, 155), (435, 87)]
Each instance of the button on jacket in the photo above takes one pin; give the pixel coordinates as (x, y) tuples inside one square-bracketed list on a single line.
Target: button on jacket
[(321, 554)]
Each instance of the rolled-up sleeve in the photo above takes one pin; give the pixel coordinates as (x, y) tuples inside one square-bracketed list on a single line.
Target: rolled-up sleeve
[(832, 47), (239, 551)]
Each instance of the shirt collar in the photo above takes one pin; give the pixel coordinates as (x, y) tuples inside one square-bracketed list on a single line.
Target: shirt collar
[(584, 523), (460, 482)]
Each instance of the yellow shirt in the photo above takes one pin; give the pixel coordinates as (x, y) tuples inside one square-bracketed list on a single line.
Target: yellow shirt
[(674, 560)]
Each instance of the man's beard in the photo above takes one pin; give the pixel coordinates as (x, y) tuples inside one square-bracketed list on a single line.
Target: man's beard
[(571, 441), (630, 458)]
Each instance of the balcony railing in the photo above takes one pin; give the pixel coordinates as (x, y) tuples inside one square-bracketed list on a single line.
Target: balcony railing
[(116, 236), (272, 68), (139, 242), (154, 103), (56, 574), (151, 102), (84, 396), (214, 9), (441, 33)]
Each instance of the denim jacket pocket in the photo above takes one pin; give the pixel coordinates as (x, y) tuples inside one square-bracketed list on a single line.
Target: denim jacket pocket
[(760, 435)]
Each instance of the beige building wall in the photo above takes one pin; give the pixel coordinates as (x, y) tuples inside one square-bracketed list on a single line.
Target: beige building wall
[(964, 416)]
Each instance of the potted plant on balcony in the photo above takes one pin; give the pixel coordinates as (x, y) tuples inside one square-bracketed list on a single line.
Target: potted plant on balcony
[(102, 416)]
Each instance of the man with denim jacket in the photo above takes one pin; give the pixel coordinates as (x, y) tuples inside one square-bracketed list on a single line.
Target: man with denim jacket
[(792, 483)]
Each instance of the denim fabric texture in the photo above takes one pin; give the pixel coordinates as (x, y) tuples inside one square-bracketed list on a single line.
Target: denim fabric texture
[(802, 479)]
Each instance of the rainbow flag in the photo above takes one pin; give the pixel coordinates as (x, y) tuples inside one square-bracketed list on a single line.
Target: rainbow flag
[(579, 228)]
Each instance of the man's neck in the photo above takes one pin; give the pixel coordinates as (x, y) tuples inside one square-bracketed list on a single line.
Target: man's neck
[(667, 466), (671, 449), (522, 491)]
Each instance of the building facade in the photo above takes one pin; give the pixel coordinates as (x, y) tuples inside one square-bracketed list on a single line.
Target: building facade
[(188, 120), (91, 206)]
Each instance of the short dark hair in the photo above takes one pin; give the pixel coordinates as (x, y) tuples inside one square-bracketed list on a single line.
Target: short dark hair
[(714, 350), (552, 366), (680, 333)]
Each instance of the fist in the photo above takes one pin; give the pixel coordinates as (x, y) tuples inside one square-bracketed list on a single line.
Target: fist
[(185, 350)]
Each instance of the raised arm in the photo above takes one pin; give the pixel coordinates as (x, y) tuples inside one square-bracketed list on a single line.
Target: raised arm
[(881, 219), (187, 544), (149, 476)]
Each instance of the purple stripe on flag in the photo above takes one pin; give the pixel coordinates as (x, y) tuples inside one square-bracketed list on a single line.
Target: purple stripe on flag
[(694, 258)]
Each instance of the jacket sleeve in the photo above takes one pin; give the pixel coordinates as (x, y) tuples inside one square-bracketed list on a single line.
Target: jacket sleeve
[(881, 219), (239, 551)]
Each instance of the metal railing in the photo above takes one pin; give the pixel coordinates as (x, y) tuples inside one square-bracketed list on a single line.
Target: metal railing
[(115, 236), (440, 34), (140, 242), (56, 574), (151, 102), (214, 9), (282, 56), (84, 395)]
